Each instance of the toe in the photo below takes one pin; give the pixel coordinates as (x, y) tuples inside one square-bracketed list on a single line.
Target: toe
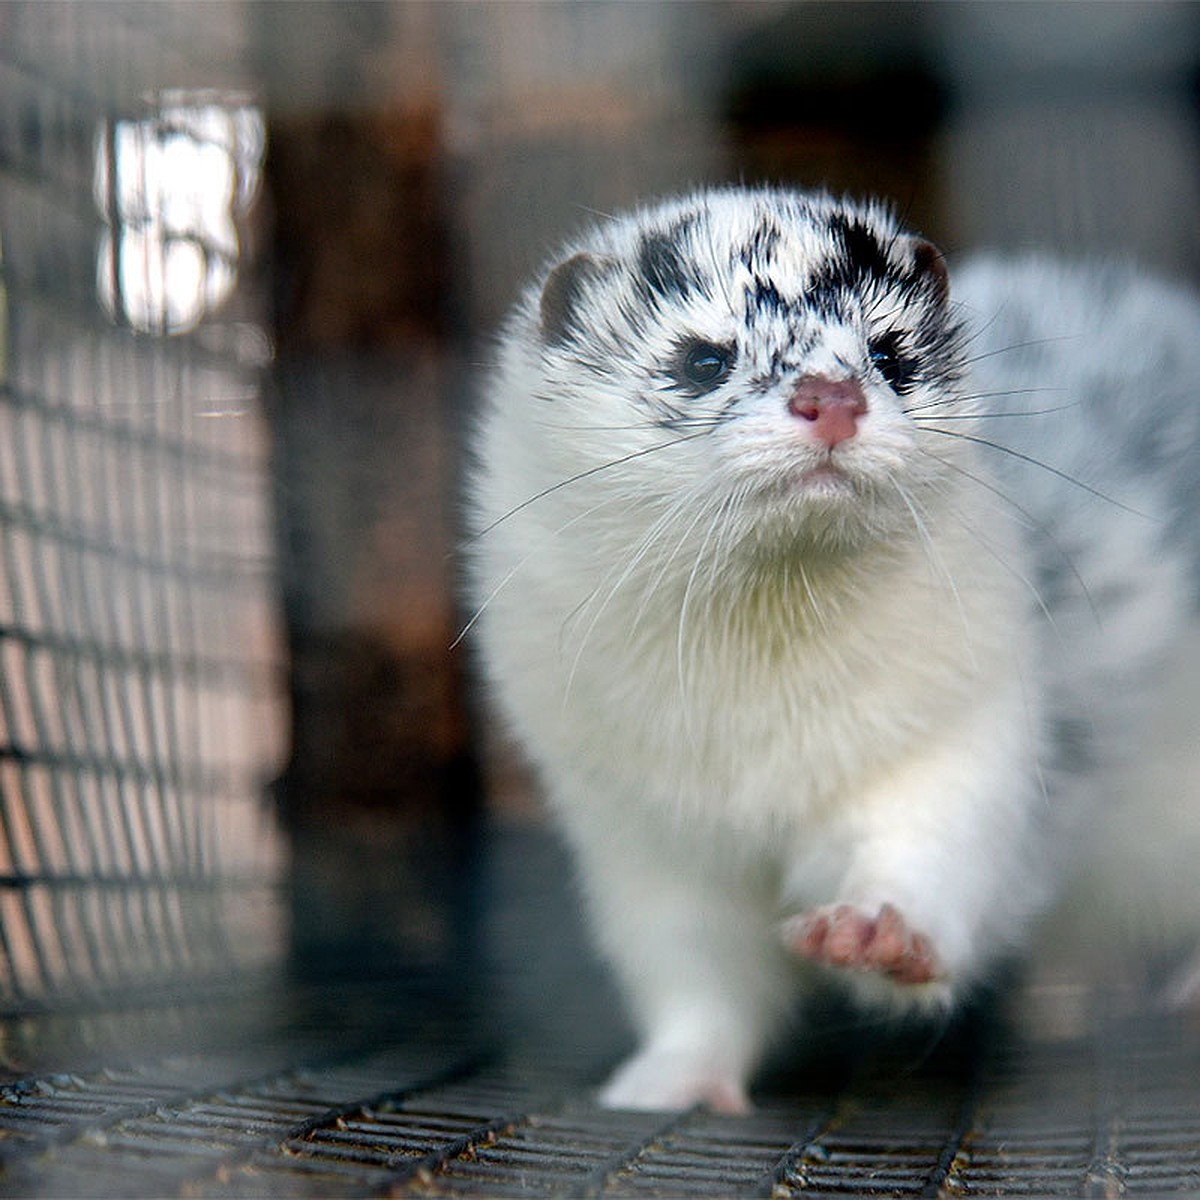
[(850, 934), (892, 939), (805, 935)]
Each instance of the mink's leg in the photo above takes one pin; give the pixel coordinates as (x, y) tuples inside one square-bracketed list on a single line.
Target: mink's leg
[(706, 980), (946, 861)]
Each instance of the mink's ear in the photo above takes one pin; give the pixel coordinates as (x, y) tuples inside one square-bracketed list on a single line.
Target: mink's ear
[(560, 297), (930, 270)]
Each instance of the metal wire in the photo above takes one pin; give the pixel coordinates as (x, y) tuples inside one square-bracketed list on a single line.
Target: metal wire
[(137, 707), (1107, 1115)]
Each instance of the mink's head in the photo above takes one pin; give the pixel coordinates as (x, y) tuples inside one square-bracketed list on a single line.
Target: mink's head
[(766, 350)]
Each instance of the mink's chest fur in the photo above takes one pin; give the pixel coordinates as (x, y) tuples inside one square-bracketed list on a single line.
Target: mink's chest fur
[(825, 588)]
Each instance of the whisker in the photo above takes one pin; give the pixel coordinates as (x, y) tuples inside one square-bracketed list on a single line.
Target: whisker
[(607, 585), (509, 575), (1035, 462), (682, 505), (973, 532), (1046, 341), (595, 212), (650, 590), (723, 551), (718, 518), (972, 333), (815, 606), (1023, 391), (699, 421), (985, 543), (937, 562), (1020, 576), (585, 474), (994, 416), (664, 522), (1039, 527), (971, 397)]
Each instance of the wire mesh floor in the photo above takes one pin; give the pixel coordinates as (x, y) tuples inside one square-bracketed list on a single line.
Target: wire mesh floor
[(1109, 1115), (405, 1086)]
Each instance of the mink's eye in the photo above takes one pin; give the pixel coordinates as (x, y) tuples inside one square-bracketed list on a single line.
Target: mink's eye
[(702, 366), (898, 371)]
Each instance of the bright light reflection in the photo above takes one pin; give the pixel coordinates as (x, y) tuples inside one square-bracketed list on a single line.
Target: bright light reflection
[(172, 189)]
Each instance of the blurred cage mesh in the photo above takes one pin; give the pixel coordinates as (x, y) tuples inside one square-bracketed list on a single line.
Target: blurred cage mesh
[(139, 717)]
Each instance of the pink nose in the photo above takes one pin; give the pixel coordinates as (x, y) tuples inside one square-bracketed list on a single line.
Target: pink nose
[(832, 405)]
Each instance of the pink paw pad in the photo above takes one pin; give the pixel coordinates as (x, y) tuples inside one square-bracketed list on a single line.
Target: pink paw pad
[(840, 935)]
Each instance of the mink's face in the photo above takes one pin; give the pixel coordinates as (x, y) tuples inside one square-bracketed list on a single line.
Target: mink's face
[(774, 351)]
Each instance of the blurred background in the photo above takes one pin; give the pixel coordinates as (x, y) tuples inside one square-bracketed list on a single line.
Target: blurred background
[(251, 254)]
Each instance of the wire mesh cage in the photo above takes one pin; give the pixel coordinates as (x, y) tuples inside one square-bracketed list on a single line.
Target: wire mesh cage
[(138, 719), (142, 875)]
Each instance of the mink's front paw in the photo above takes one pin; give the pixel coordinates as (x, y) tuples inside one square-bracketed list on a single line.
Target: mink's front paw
[(842, 935)]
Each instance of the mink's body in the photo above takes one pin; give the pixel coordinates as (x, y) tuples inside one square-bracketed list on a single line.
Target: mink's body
[(819, 679)]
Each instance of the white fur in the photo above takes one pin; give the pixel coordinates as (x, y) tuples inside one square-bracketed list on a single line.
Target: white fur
[(749, 695)]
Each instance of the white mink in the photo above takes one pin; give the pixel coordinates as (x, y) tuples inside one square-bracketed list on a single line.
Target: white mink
[(821, 681)]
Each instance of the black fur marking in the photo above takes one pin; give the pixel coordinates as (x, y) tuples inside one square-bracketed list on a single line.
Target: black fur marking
[(765, 298), (759, 251), (786, 360), (860, 259), (662, 267), (865, 257), (560, 297)]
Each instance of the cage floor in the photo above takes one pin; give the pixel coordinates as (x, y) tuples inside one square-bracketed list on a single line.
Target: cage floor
[(370, 1087), (1110, 1115)]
